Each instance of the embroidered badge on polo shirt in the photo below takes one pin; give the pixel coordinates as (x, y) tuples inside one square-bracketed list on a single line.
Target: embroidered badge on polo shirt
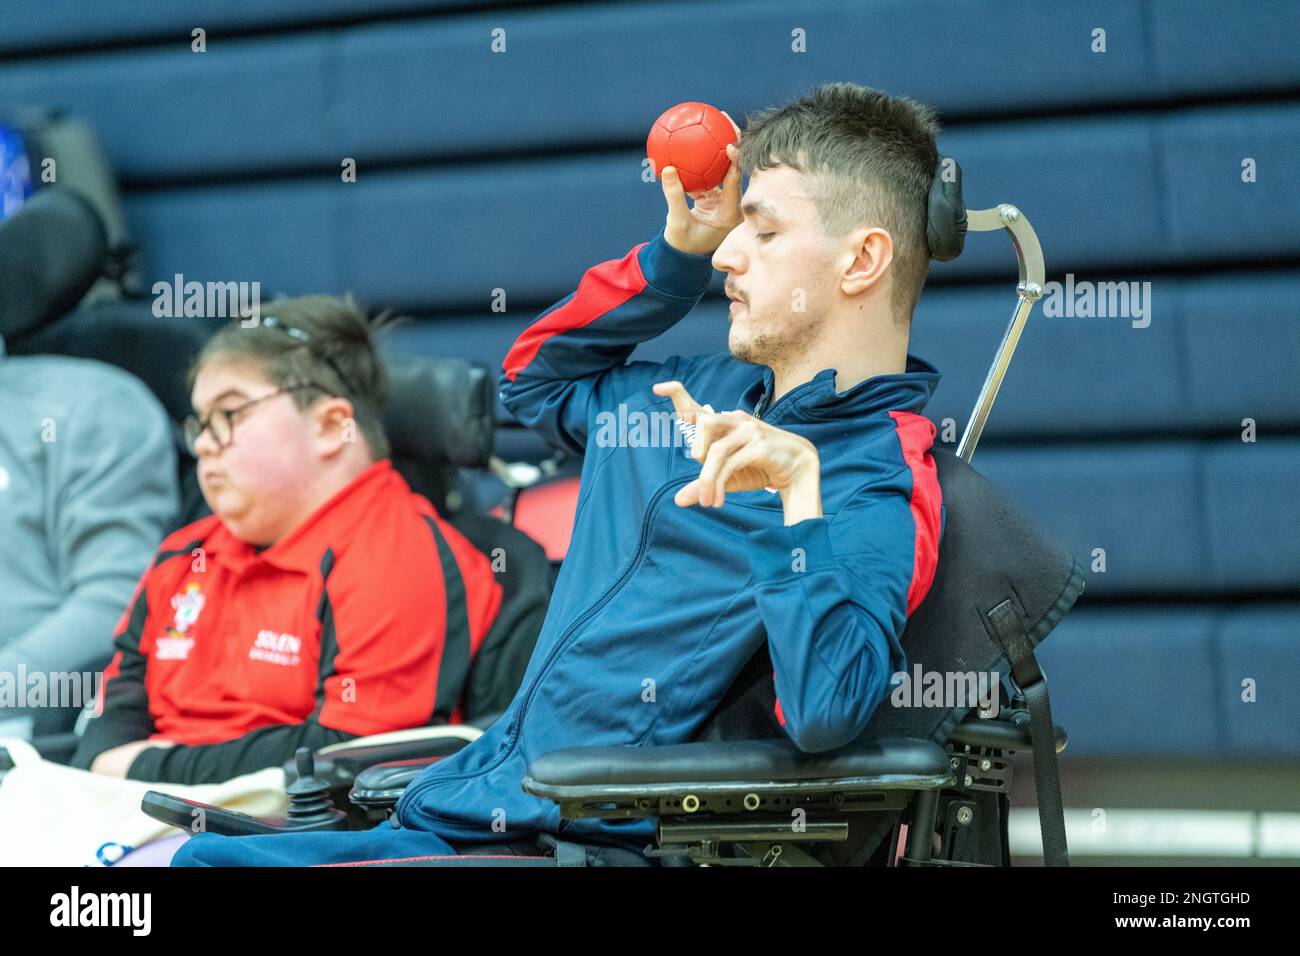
[(176, 643)]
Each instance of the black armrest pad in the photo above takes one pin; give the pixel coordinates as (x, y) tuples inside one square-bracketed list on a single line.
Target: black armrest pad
[(342, 768), (761, 761), (381, 785)]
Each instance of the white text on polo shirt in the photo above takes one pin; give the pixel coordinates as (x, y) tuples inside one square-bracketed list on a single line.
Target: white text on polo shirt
[(174, 648), (275, 648)]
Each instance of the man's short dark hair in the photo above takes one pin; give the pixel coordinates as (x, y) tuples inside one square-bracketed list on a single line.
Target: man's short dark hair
[(872, 158), (332, 347)]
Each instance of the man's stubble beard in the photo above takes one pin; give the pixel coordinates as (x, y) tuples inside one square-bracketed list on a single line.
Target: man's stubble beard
[(781, 350)]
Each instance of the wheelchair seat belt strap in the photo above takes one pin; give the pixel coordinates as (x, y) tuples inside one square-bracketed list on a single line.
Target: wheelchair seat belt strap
[(566, 853), (1010, 634)]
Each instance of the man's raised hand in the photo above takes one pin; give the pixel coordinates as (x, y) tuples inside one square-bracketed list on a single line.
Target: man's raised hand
[(700, 229)]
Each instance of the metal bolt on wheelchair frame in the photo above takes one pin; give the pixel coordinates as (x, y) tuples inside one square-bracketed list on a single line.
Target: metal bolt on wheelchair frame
[(698, 827), (980, 768)]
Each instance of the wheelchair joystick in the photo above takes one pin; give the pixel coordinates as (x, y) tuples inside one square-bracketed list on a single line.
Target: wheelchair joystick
[(309, 800), (310, 808)]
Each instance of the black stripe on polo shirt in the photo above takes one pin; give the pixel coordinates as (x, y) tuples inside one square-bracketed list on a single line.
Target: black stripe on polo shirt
[(457, 644), (133, 668), (125, 713), (329, 640)]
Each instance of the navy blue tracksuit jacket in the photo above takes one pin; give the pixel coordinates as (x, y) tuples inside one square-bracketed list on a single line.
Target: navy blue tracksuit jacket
[(657, 607)]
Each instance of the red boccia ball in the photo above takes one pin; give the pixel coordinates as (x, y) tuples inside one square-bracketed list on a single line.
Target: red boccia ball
[(692, 138)]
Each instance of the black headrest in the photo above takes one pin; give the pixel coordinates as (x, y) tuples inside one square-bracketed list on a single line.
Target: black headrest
[(946, 221), (51, 252), (438, 410)]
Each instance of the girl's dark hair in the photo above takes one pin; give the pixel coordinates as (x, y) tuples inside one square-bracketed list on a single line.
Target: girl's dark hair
[(318, 339), (872, 158)]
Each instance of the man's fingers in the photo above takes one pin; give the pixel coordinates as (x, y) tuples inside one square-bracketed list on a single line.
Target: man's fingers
[(687, 408), (731, 181), (688, 494), (739, 439), (732, 122), (732, 452), (710, 425), (749, 453), (714, 458), (674, 194), (726, 192)]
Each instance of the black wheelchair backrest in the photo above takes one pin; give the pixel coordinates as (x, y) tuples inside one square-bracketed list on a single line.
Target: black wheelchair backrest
[(994, 565), (51, 252)]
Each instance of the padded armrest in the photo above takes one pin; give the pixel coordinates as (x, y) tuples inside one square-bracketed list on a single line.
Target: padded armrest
[(462, 732), (340, 764), (380, 786), (1008, 732), (630, 781)]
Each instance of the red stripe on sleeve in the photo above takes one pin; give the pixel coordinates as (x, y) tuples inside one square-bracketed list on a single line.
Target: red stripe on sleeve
[(916, 435), (604, 287)]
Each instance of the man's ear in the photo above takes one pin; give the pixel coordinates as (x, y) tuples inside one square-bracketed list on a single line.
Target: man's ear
[(869, 255), (336, 425)]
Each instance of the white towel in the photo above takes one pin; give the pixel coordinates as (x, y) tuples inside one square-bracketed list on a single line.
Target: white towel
[(52, 815)]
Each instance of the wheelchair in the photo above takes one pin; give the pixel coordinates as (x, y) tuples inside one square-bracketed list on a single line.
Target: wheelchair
[(923, 786)]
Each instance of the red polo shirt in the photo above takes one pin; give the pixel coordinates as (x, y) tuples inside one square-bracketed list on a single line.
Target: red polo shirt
[(363, 619)]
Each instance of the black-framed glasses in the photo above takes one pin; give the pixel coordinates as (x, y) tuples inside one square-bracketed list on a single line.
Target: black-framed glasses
[(221, 421)]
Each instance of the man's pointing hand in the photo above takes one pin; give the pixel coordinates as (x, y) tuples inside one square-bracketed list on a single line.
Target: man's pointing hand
[(739, 452)]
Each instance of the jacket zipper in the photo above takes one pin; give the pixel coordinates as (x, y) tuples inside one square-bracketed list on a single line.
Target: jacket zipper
[(767, 412), (517, 724)]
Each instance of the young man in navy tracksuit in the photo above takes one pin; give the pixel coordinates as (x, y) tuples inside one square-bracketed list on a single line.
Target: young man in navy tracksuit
[(807, 515)]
